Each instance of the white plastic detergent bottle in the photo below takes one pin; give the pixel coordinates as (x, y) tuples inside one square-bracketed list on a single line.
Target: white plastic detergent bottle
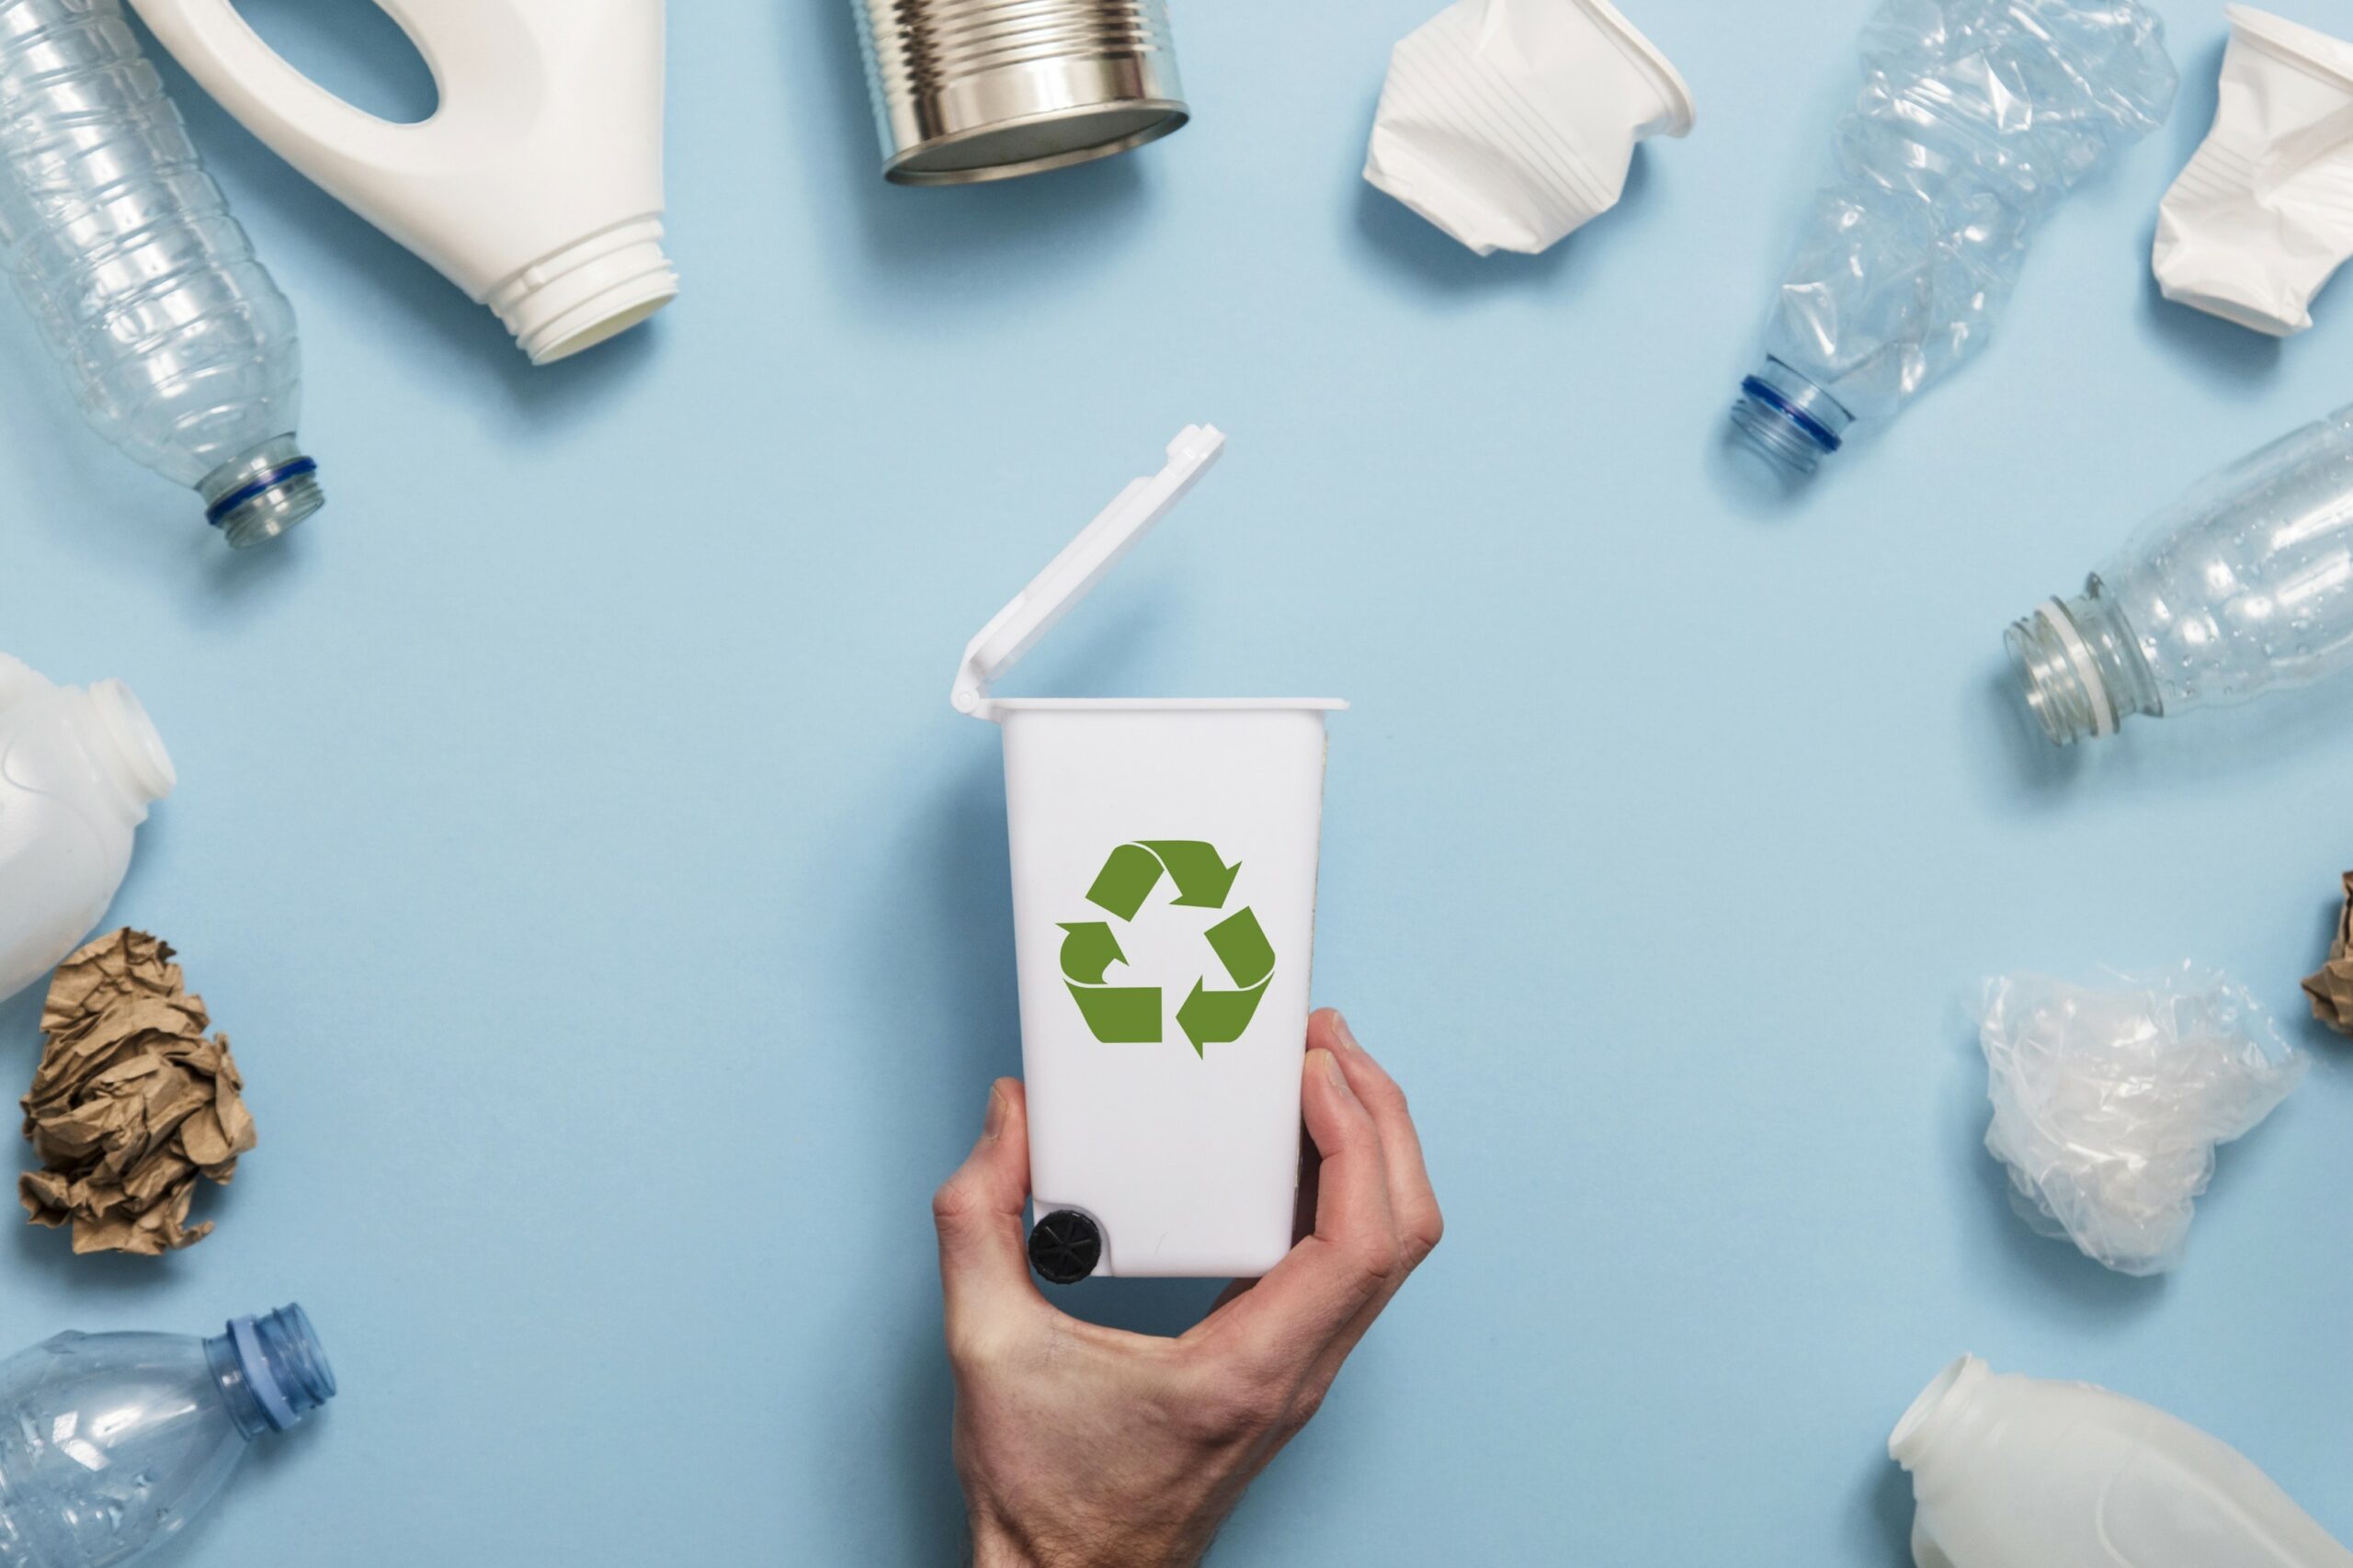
[(2010, 1471), (79, 766), (535, 186), (19, 681)]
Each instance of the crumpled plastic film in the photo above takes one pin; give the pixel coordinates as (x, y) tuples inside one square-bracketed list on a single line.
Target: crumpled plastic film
[(2109, 1103)]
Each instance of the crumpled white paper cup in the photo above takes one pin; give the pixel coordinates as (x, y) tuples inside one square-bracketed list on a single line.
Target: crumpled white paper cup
[(2263, 214), (1510, 123)]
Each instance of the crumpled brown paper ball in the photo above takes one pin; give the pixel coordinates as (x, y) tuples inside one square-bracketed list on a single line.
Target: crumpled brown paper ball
[(131, 1103), (2332, 989)]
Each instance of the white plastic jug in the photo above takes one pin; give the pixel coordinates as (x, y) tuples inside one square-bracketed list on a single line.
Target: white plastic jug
[(1164, 906), (536, 186), (2010, 1471), (78, 769), (19, 681)]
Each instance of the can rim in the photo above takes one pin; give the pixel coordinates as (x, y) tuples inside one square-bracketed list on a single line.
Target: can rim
[(1169, 704), (1174, 115)]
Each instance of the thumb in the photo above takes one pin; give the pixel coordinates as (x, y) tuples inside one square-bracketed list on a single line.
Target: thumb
[(983, 1261)]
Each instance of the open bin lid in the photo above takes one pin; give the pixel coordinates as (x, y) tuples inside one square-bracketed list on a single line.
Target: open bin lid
[(1083, 562)]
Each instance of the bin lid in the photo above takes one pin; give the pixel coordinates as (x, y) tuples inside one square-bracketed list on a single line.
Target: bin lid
[(1084, 563)]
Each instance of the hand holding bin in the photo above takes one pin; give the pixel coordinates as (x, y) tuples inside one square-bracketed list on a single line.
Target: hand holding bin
[(536, 186), (1164, 902)]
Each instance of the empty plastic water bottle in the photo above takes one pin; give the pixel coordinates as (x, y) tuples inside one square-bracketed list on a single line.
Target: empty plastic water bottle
[(111, 1443), (1976, 117), (2242, 586), (179, 346)]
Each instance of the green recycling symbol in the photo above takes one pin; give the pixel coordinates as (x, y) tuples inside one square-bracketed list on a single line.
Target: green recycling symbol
[(1131, 1015)]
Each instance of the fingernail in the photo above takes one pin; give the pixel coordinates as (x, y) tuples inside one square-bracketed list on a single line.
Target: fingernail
[(1347, 1037), (1329, 1066), (995, 1121)]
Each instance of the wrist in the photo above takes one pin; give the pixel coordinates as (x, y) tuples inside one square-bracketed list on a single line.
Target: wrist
[(995, 1547), (996, 1544)]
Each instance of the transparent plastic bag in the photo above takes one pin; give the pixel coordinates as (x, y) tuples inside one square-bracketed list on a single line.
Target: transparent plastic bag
[(2108, 1104)]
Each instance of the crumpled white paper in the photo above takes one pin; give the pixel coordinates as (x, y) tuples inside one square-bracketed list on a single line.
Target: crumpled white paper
[(2263, 215), (2108, 1103), (1508, 123)]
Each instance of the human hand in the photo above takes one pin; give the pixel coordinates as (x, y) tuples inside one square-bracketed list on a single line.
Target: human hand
[(1079, 1445)]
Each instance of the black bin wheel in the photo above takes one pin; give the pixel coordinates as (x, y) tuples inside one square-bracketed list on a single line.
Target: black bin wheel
[(1065, 1247)]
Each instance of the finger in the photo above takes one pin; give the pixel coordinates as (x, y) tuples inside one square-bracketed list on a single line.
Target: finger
[(1352, 1199), (1322, 1283), (983, 1262), (1420, 1223), (1411, 1199)]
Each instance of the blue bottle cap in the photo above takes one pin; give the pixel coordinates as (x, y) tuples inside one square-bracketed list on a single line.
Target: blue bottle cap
[(283, 1363)]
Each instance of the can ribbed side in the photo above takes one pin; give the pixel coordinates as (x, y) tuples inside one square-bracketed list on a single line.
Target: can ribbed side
[(917, 49), (968, 90)]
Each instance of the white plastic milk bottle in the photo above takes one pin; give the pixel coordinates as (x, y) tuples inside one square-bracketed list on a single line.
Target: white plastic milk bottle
[(79, 766), (2010, 1471)]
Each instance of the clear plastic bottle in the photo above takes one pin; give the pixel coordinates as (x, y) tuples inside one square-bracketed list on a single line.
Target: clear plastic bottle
[(1976, 117), (179, 346), (111, 1443), (2243, 585)]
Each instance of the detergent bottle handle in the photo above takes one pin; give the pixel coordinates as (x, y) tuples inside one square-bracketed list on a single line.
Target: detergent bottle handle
[(298, 120)]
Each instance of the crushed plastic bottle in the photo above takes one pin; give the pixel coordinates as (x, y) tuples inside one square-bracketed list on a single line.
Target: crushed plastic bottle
[(2242, 586), (179, 346), (1975, 120), (111, 1443)]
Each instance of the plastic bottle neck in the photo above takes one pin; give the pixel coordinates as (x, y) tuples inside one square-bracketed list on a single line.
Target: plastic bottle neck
[(121, 741), (260, 494), (2081, 667), (271, 1372), (587, 292), (1789, 419), (1941, 1409)]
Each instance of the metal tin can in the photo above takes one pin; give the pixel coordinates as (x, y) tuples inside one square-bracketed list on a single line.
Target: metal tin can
[(972, 90)]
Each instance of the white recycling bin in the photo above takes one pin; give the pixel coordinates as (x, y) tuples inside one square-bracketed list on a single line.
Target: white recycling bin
[(1164, 906)]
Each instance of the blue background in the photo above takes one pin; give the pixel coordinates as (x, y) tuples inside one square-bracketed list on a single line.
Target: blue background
[(611, 916)]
